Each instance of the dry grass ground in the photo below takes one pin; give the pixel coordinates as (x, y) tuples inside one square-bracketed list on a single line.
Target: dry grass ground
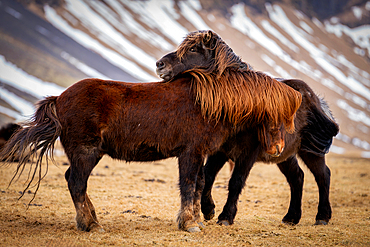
[(137, 204)]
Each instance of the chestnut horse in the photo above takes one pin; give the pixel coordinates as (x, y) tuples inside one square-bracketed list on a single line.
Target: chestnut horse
[(205, 53), (138, 122)]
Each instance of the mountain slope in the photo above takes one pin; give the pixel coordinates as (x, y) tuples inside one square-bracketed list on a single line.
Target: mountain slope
[(70, 40)]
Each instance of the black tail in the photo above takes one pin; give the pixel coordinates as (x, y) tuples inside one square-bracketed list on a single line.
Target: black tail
[(35, 139), (317, 135)]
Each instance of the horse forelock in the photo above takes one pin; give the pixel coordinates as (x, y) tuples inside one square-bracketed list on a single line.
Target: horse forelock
[(190, 40), (239, 96)]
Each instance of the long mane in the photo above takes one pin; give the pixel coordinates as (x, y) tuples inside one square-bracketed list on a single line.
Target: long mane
[(230, 89)]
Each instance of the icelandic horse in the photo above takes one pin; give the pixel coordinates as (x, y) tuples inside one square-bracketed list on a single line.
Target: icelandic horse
[(205, 55)]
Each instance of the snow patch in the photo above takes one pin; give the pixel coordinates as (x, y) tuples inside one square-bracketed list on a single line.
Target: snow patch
[(195, 4), (11, 113), (159, 15), (360, 143), (105, 32), (17, 78), (272, 30), (211, 17), (126, 23), (353, 113), (357, 12), (240, 21), (343, 138), (188, 8), (318, 23), (83, 67), (277, 15), (337, 150), (25, 108), (365, 155), (306, 27), (360, 35), (90, 43), (278, 69)]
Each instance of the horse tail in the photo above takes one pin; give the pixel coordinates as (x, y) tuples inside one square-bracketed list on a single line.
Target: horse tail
[(317, 135), (35, 139)]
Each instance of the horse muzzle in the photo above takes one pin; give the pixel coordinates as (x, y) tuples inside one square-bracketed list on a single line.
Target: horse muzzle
[(276, 151)]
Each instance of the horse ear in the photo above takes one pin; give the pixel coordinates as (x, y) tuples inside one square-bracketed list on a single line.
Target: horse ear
[(209, 39)]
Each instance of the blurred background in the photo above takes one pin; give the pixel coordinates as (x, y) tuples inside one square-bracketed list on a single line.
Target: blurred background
[(47, 45)]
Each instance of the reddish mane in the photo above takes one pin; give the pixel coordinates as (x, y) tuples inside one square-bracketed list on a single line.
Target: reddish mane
[(229, 88), (251, 96)]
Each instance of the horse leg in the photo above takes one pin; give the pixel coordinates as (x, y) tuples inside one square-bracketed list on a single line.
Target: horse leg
[(197, 195), (236, 184), (295, 177), (321, 172), (189, 166), (81, 166), (213, 166), (87, 199)]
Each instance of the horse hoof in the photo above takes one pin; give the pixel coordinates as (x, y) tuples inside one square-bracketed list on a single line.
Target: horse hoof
[(321, 223), (96, 227), (288, 223), (210, 215), (193, 229), (201, 225), (223, 223)]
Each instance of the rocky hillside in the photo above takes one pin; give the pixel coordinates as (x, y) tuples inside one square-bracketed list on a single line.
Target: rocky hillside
[(47, 45)]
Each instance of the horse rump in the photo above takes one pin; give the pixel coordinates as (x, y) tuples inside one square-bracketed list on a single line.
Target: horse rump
[(318, 133)]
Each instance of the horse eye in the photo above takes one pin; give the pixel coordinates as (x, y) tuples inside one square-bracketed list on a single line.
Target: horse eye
[(192, 49)]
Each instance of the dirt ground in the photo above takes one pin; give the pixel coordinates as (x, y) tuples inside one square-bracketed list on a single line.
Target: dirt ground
[(137, 204)]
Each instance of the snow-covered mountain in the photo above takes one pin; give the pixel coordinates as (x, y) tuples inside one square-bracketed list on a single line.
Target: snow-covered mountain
[(46, 46)]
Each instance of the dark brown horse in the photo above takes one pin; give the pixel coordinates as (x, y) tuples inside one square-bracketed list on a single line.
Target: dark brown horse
[(205, 53), (5, 133), (137, 122)]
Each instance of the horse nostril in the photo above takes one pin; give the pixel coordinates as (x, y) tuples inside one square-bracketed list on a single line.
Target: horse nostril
[(277, 151), (160, 64)]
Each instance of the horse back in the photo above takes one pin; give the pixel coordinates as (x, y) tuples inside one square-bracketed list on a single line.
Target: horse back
[(123, 119)]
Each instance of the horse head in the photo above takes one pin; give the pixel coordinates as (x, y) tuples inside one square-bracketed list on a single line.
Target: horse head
[(200, 50), (272, 138), (170, 66)]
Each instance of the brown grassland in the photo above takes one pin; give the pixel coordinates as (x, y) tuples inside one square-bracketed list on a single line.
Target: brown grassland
[(137, 204)]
